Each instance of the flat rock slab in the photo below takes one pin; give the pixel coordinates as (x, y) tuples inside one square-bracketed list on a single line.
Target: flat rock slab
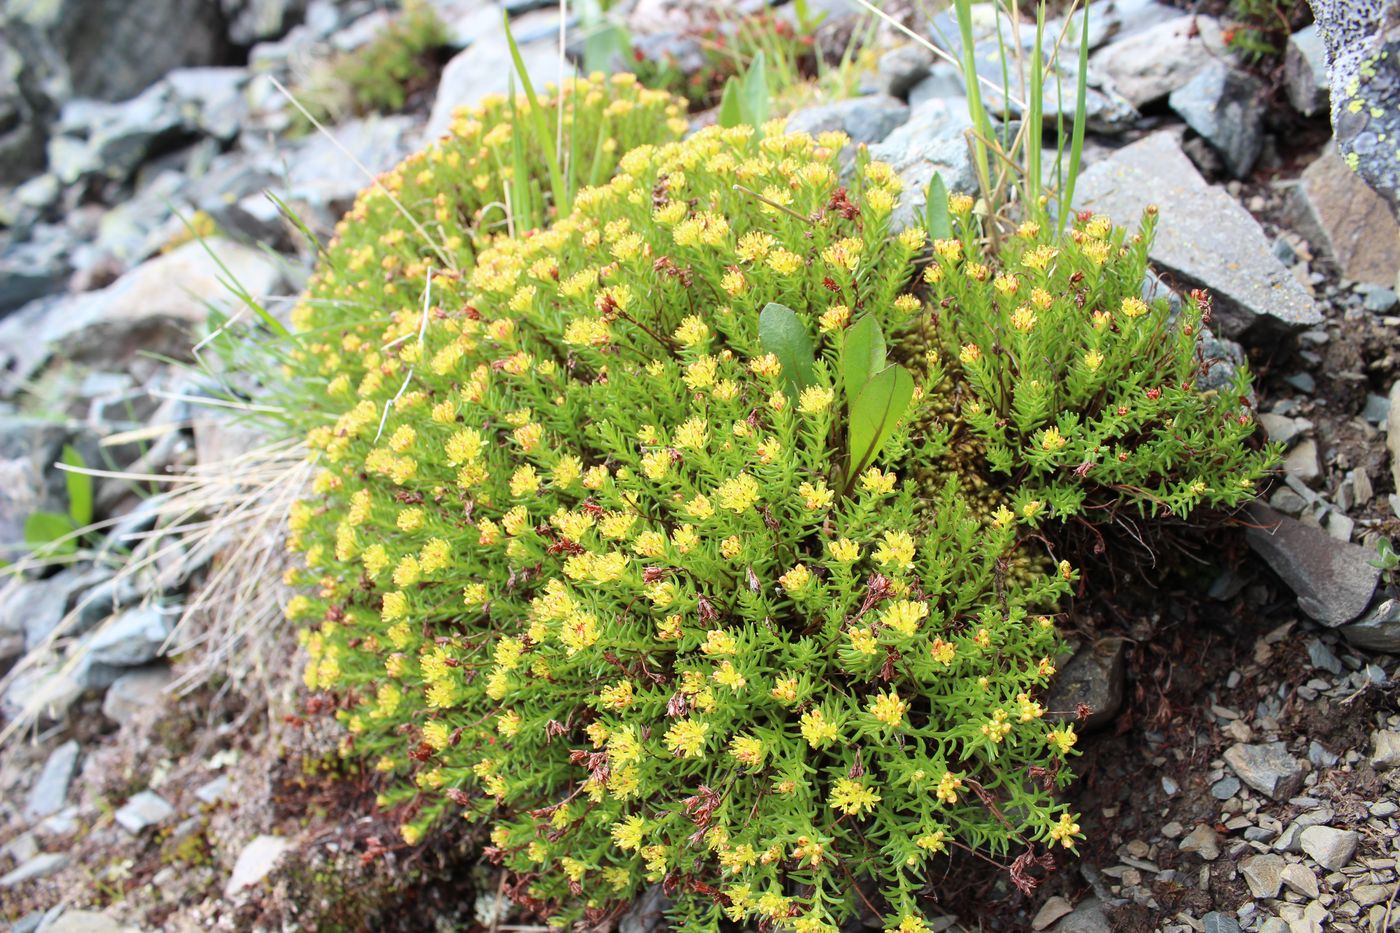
[(1269, 769), (1204, 237), (257, 859), (40, 866), (1263, 874), (50, 789), (145, 809), (1334, 580), (1330, 848)]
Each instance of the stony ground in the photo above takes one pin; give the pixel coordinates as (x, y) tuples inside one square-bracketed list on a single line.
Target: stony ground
[(1241, 769)]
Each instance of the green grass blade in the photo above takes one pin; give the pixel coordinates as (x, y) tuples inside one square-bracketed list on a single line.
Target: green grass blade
[(976, 109), (538, 128), (1076, 148), (79, 487), (1035, 133)]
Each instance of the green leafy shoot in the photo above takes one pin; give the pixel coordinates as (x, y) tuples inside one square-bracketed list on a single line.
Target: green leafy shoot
[(874, 414), (79, 487)]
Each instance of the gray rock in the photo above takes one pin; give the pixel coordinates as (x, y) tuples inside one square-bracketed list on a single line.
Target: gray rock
[(1225, 788), (1363, 56), (1330, 848), (42, 692), (1092, 677), (1305, 71), (211, 792), (1263, 874), (486, 67), (212, 98), (50, 789), (1269, 769), (1221, 360), (33, 82), (943, 82), (132, 638), (1379, 300), (469, 20), (323, 182), (1304, 462), (864, 119), (1387, 749), (35, 266), (132, 693), (98, 138), (40, 866), (1223, 105), (1216, 922), (1378, 630), (931, 142), (1088, 917), (901, 68), (1347, 221), (137, 44), (144, 809), (1203, 841), (1148, 65), (1392, 433), (255, 862), (1298, 879), (82, 921), (251, 21), (1204, 237), (1334, 581), (149, 309)]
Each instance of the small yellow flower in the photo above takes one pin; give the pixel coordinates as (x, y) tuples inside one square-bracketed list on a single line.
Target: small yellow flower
[(815, 399), (795, 581), (844, 550), (888, 708)]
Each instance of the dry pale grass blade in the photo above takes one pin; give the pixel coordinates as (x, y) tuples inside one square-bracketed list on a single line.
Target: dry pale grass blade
[(231, 514)]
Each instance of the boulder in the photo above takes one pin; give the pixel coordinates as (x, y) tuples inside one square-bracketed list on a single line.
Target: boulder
[(33, 82), (136, 44), (1204, 237), (1363, 57), (151, 309), (93, 137), (486, 67), (1223, 104), (1305, 71), (1350, 223), (931, 142), (902, 67), (864, 119), (1147, 66), (1333, 580), (35, 266), (211, 98)]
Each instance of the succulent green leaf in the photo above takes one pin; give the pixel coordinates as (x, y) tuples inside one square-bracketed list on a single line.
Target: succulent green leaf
[(79, 487), (936, 220), (41, 529), (781, 333), (730, 112), (875, 412), (862, 354)]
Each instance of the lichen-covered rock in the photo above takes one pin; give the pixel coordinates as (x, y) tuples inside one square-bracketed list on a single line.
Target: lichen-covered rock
[(1363, 55)]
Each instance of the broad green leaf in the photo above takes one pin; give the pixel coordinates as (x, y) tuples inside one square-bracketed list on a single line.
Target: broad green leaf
[(936, 220), (875, 412), (607, 48), (729, 108), (79, 487), (781, 333), (41, 529), (756, 93), (862, 355)]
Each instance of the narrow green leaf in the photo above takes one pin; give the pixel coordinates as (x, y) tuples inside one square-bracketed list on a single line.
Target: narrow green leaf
[(79, 487), (936, 219), (755, 92), (862, 355), (538, 127), (1076, 146), (874, 414), (730, 113), (44, 528), (781, 333)]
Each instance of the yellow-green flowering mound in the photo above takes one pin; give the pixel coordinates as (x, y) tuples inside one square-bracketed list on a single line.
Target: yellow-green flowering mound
[(1082, 394), (618, 548)]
